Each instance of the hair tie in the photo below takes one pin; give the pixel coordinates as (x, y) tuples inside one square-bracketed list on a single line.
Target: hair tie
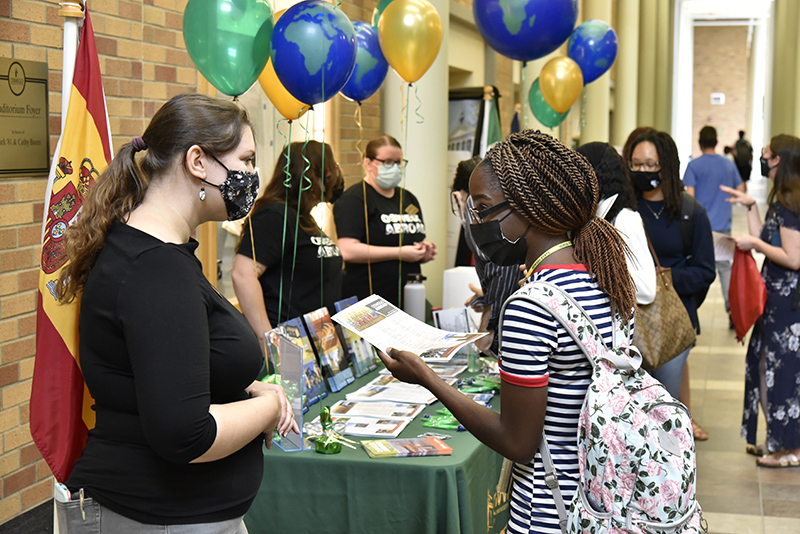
[(138, 144)]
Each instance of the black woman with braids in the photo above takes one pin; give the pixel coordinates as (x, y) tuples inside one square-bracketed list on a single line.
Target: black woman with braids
[(531, 195)]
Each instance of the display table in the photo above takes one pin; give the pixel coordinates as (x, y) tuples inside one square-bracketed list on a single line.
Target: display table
[(349, 492)]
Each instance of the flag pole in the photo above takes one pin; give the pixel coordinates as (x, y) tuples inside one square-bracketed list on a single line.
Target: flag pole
[(72, 11)]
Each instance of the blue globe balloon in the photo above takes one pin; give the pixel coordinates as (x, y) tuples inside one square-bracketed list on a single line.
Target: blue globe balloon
[(371, 67), (525, 29), (593, 46), (313, 50)]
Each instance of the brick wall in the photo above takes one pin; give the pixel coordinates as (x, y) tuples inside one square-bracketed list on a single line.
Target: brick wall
[(720, 66)]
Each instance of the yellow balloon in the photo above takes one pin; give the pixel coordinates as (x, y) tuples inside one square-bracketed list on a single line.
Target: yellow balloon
[(410, 33), (286, 104), (561, 83)]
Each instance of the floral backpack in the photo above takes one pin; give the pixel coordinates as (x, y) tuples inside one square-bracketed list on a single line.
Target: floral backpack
[(635, 445)]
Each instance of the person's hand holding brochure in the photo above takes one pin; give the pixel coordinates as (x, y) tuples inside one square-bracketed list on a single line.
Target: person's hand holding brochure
[(384, 326)]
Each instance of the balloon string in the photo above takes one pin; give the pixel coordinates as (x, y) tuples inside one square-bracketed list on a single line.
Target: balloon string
[(321, 248), (583, 109), (287, 184), (524, 100), (420, 118), (406, 101), (403, 107), (357, 119), (303, 187)]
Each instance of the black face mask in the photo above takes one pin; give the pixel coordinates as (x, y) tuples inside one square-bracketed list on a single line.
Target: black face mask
[(337, 192), (496, 247), (239, 191), (645, 180), (765, 168)]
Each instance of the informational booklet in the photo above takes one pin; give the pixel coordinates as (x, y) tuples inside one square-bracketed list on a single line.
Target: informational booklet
[(391, 410), (724, 246), (387, 388), (384, 325), (444, 370), (370, 426), (390, 448), (361, 353), (333, 361), (294, 330)]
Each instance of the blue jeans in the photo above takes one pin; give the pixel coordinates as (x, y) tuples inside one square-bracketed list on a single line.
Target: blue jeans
[(101, 520), (671, 373)]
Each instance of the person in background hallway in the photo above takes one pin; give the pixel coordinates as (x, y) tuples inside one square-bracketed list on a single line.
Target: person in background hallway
[(285, 270), (654, 169), (380, 227), (613, 180), (702, 179), (743, 157), (544, 375), (497, 282), (169, 361), (772, 367)]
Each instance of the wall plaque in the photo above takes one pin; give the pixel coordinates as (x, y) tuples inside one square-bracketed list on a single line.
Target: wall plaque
[(24, 123)]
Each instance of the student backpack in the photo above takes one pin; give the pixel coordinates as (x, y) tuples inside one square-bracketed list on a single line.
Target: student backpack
[(636, 454)]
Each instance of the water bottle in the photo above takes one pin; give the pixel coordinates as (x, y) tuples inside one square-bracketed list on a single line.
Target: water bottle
[(414, 297)]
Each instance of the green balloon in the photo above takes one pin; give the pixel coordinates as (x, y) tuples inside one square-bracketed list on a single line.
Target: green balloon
[(542, 110), (228, 41), (378, 11)]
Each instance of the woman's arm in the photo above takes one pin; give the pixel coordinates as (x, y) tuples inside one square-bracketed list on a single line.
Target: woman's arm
[(787, 255), (640, 263), (737, 196), (699, 271), (354, 251), (239, 423), (515, 432), (250, 295)]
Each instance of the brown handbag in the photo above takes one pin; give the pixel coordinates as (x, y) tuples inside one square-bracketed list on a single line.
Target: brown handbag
[(663, 327)]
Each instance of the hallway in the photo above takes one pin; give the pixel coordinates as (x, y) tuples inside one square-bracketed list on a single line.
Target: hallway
[(737, 496)]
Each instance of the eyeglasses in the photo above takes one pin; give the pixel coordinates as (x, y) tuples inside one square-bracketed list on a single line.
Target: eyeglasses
[(402, 162), (650, 166), (479, 216), (456, 204)]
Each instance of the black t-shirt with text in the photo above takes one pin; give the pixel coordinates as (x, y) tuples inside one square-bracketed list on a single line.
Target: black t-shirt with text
[(388, 221), (303, 288)]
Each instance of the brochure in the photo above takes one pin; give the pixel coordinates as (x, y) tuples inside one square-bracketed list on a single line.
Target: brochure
[(384, 325), (441, 369), (387, 388), (331, 356), (389, 448), (294, 330), (392, 410), (361, 353), (370, 426)]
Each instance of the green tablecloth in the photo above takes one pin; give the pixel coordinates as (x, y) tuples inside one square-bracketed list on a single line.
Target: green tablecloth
[(349, 492)]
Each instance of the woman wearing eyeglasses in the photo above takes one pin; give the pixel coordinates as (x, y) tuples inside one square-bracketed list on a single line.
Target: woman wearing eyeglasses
[(654, 169), (380, 227)]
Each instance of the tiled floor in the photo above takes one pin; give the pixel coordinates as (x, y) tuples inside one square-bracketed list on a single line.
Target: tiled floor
[(737, 496)]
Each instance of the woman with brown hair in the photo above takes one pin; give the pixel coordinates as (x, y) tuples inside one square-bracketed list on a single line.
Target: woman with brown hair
[(285, 265), (169, 362), (534, 203), (380, 227), (773, 357)]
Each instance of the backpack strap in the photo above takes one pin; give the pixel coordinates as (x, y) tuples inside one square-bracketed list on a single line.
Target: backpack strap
[(535, 294)]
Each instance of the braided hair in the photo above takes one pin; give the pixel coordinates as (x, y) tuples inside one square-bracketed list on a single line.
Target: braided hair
[(555, 190)]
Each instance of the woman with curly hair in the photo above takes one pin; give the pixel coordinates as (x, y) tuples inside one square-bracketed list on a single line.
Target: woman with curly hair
[(534, 203), (773, 357)]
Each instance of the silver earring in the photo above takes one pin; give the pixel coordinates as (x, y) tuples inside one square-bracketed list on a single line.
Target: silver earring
[(202, 193)]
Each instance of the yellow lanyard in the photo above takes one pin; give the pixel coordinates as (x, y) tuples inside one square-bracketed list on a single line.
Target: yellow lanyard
[(541, 258)]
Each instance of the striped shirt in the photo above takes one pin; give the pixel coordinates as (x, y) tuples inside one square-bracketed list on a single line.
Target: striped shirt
[(536, 351)]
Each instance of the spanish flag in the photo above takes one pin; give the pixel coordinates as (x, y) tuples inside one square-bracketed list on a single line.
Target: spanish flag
[(60, 408)]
